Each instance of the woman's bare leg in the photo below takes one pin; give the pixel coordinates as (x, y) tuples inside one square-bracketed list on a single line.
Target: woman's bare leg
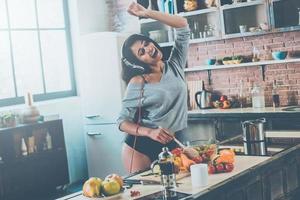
[(140, 161)]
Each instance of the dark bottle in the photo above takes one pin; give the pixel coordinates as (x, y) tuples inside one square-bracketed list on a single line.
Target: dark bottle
[(166, 164), (168, 177), (275, 95)]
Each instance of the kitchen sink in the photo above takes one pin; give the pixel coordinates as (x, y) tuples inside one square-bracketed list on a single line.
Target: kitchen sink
[(292, 108)]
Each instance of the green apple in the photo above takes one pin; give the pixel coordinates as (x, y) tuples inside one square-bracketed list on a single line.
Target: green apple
[(110, 187), (92, 187)]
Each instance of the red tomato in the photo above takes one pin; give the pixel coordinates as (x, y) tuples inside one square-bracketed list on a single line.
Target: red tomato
[(211, 169), (229, 167), (198, 159), (220, 167)]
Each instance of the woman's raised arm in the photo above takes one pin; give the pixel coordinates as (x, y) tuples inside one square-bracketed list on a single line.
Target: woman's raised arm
[(175, 21)]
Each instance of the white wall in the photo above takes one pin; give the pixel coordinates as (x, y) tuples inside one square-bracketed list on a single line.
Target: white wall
[(93, 16)]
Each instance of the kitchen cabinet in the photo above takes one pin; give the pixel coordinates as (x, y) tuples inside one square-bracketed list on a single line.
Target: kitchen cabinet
[(285, 124), (276, 179), (228, 122), (248, 14), (36, 169), (285, 14), (224, 20)]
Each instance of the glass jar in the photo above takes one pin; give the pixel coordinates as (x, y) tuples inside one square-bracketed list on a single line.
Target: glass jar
[(196, 29), (258, 96)]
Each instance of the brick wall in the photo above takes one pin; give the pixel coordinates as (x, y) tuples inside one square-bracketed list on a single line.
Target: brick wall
[(227, 81)]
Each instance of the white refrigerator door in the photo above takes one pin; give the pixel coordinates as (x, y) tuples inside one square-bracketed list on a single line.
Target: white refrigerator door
[(104, 150), (101, 89), (100, 84)]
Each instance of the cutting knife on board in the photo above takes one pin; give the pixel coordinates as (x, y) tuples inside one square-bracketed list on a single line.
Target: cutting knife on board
[(131, 182), (141, 182)]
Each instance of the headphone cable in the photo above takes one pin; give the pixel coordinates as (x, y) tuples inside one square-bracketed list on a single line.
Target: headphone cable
[(138, 123)]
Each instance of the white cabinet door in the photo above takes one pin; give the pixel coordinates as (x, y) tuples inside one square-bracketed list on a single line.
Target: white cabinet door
[(104, 144)]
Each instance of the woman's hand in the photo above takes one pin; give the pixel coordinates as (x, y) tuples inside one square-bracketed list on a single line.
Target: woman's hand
[(137, 10), (175, 21), (160, 135)]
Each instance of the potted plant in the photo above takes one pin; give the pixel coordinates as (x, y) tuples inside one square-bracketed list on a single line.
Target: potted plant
[(7, 119)]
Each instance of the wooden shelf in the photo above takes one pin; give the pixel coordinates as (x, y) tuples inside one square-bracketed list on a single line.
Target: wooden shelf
[(198, 12), (39, 155), (234, 35), (166, 44), (241, 5), (284, 29), (207, 39), (192, 41), (261, 63)]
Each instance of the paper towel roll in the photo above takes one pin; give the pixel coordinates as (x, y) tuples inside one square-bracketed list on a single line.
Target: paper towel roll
[(199, 175)]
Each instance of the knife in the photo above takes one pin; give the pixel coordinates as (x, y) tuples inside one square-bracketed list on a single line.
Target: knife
[(141, 182)]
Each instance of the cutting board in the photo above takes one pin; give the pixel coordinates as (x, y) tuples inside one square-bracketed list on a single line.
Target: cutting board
[(141, 176)]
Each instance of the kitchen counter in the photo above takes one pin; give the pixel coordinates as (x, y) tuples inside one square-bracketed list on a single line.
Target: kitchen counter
[(244, 112), (268, 177), (242, 164)]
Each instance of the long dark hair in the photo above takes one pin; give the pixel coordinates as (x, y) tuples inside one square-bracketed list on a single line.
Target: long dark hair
[(128, 71)]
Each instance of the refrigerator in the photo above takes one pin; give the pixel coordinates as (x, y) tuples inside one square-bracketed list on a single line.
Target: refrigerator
[(101, 90)]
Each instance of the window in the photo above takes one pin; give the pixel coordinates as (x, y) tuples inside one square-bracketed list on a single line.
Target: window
[(35, 51)]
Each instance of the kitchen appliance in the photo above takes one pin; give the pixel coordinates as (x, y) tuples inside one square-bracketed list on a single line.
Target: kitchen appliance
[(162, 195), (203, 98), (101, 90), (254, 137)]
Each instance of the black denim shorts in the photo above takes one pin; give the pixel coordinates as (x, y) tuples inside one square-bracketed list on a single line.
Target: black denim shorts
[(149, 147)]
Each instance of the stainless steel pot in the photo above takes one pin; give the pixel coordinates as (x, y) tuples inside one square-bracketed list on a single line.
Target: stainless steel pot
[(254, 137)]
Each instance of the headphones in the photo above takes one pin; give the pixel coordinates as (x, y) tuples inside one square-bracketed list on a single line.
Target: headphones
[(132, 65)]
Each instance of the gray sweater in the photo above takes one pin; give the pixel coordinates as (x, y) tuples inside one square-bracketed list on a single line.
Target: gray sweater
[(164, 103)]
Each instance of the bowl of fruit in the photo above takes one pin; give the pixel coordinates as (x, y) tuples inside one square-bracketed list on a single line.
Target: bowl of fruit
[(223, 102)]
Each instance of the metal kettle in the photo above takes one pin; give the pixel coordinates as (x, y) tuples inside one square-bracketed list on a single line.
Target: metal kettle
[(254, 137), (203, 98)]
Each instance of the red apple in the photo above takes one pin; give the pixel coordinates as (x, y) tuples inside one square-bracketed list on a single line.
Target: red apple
[(223, 98)]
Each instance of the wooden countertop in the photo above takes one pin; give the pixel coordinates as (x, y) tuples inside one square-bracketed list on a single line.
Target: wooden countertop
[(242, 163), (240, 112)]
